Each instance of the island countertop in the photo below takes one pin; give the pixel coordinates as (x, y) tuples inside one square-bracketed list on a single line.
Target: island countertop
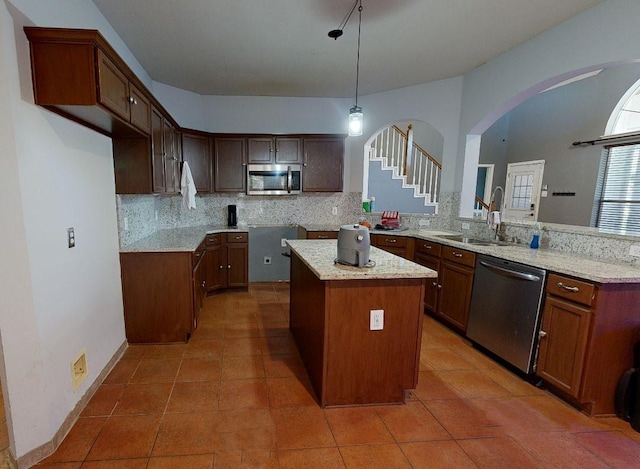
[(319, 256)]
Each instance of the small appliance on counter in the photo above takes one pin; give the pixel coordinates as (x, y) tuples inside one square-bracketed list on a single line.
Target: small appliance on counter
[(232, 216), (353, 245)]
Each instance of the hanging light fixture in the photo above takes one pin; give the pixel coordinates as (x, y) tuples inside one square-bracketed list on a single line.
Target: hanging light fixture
[(356, 116)]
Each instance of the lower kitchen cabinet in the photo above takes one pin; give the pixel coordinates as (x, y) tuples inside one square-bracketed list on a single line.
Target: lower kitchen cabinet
[(563, 344), (227, 261), (455, 282), (157, 293), (402, 246), (588, 334), (427, 253), (199, 283)]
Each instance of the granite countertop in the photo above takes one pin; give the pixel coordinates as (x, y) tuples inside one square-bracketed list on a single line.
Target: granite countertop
[(177, 239), (319, 256), (588, 268)]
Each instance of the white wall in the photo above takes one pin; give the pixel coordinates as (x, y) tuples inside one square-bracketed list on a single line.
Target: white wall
[(55, 301), (605, 34)]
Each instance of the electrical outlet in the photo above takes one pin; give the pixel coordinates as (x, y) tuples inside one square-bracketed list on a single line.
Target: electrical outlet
[(267, 260), (423, 222), (334, 211), (79, 369), (156, 214), (465, 225), (634, 250), (376, 320), (71, 237), (283, 242), (125, 224)]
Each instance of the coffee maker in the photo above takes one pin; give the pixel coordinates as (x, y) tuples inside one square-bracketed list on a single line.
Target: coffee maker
[(232, 216)]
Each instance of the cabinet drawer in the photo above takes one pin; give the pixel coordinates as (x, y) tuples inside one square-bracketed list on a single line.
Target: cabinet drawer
[(571, 289), (391, 241), (213, 239), (322, 235), (237, 237), (459, 256), (428, 247)]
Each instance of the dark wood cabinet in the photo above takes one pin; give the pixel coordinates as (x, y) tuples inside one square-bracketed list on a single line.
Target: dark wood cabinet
[(230, 157), (427, 253), (157, 291), (237, 260), (78, 75), (227, 260), (402, 246), (165, 154), (455, 284), (271, 149), (196, 150), (563, 344), (199, 282), (322, 164)]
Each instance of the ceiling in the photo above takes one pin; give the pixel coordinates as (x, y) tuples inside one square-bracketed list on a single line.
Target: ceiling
[(281, 47)]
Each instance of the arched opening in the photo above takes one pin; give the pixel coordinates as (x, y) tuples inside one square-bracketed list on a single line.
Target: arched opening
[(540, 124), (402, 167)]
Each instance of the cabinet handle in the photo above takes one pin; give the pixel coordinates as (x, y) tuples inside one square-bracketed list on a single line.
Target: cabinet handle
[(229, 266), (542, 334), (203, 284), (435, 284), (568, 288), (391, 240), (426, 246), (323, 237), (439, 287), (222, 267), (133, 100), (237, 237), (457, 254)]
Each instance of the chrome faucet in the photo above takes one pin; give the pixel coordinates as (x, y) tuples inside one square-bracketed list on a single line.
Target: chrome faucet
[(500, 227)]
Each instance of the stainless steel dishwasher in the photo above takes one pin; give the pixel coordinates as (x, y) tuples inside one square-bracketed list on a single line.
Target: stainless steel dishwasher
[(504, 316)]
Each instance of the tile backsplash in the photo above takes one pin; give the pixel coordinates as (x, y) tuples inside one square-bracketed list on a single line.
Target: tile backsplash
[(146, 214)]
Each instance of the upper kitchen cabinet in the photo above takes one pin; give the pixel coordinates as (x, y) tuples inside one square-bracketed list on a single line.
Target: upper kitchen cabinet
[(322, 164), (165, 149), (230, 161), (78, 75), (275, 150), (196, 150)]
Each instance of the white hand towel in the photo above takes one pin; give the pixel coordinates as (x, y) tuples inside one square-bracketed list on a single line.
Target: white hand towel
[(187, 187), (493, 219)]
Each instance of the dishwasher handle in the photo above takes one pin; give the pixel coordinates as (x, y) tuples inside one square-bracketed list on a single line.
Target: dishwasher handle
[(511, 273)]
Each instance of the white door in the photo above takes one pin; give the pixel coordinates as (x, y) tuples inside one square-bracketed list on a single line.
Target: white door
[(522, 191)]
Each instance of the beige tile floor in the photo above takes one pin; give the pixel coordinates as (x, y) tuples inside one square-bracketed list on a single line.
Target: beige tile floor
[(237, 396)]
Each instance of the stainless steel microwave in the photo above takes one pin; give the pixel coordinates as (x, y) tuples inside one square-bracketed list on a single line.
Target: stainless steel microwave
[(274, 179)]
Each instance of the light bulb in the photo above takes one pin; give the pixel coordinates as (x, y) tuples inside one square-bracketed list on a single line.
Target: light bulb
[(356, 121)]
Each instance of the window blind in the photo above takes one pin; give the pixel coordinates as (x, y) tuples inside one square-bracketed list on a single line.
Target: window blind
[(619, 206)]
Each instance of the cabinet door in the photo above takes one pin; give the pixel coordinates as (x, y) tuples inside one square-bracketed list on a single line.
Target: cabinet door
[(563, 344), (260, 150), (216, 268), (140, 109), (157, 151), (322, 164), (288, 150), (113, 87), (197, 152), (455, 294), (172, 157), (230, 164), (199, 287), (432, 286), (237, 270)]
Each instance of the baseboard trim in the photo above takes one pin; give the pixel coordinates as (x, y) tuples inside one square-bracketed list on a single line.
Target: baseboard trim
[(47, 449)]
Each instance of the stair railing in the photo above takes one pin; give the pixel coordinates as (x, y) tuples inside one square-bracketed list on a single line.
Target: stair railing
[(398, 150)]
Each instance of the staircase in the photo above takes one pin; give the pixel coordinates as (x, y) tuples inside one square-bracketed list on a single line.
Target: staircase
[(408, 162)]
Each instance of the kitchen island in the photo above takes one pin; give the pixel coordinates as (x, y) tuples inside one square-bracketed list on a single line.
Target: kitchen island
[(351, 358)]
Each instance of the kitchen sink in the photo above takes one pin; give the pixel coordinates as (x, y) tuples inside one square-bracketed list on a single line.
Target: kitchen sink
[(473, 241)]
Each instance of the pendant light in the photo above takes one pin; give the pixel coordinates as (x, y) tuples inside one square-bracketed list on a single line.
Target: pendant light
[(356, 116)]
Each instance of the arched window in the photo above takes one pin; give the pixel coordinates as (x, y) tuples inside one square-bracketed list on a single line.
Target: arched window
[(617, 204)]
